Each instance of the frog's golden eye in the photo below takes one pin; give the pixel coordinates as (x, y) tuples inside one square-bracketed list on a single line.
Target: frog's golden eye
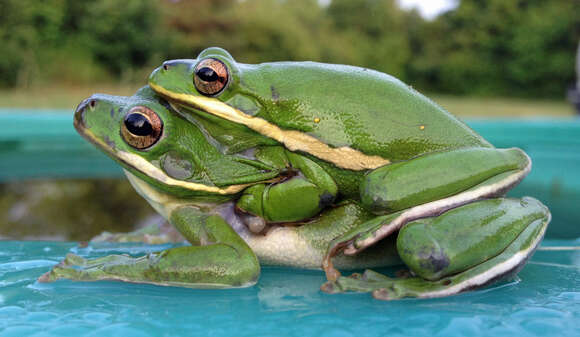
[(141, 127), (210, 76)]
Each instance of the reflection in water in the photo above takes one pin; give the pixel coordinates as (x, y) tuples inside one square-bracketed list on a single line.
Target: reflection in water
[(285, 302)]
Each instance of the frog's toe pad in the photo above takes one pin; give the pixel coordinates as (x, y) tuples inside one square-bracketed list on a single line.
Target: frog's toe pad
[(59, 271), (386, 294), (72, 260), (46, 277), (330, 287), (366, 282)]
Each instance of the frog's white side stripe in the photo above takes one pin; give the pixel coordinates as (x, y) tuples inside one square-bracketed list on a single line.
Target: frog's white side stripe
[(148, 169), (439, 206), (493, 272), (343, 157)]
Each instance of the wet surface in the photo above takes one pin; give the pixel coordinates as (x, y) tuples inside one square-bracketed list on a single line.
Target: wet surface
[(543, 300)]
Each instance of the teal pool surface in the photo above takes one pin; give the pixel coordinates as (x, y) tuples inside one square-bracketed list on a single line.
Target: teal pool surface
[(544, 300)]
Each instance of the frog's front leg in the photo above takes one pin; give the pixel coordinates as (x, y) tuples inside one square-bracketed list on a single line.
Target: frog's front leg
[(465, 248), (303, 195), (219, 258)]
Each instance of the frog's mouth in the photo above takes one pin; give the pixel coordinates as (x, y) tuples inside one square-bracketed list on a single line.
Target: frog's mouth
[(343, 157), (135, 163)]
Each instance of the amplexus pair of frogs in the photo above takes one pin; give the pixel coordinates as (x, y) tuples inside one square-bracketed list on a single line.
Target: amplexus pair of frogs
[(309, 165)]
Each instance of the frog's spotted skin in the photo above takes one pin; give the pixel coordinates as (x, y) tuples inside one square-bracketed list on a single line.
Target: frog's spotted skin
[(309, 165), (367, 111)]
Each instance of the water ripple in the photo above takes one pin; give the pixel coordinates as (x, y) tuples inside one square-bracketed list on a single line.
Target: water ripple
[(544, 299)]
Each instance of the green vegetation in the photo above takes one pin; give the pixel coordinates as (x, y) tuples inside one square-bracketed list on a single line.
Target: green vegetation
[(59, 96), (70, 209), (522, 48), (503, 107), (67, 97)]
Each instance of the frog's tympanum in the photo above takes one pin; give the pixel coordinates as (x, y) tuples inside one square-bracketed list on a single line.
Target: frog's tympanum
[(309, 165)]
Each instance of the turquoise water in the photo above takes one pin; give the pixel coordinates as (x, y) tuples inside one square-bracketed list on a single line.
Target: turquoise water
[(544, 300)]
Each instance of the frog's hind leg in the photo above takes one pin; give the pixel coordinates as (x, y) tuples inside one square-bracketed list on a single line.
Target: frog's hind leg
[(219, 258), (435, 183), (465, 248)]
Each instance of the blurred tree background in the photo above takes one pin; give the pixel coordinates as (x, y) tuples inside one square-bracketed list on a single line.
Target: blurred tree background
[(501, 55), (523, 48)]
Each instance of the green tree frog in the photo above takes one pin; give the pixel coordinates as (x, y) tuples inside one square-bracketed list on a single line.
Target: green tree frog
[(309, 165)]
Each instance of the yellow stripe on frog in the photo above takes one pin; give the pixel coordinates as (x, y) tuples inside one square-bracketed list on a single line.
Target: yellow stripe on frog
[(343, 157)]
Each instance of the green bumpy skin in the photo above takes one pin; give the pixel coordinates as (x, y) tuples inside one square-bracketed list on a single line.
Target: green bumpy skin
[(309, 165)]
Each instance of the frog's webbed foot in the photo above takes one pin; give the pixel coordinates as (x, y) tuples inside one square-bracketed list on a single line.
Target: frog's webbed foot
[(74, 267), (381, 286), (214, 266), (352, 238), (219, 259), (465, 248)]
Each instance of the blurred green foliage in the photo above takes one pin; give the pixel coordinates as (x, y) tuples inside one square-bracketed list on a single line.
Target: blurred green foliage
[(485, 47), (70, 209)]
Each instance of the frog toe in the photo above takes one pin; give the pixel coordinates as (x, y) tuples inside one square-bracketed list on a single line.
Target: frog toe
[(369, 281), (60, 271), (73, 260), (467, 248)]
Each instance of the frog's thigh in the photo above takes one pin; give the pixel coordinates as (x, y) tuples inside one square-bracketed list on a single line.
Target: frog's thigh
[(221, 259), (465, 248), (480, 172)]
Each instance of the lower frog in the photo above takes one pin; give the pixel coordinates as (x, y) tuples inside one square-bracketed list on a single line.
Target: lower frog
[(246, 177), (190, 182)]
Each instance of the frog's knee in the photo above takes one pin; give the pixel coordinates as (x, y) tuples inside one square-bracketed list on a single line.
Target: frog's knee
[(467, 236)]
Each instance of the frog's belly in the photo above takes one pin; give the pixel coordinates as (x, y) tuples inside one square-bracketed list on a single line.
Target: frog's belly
[(284, 246), (281, 246)]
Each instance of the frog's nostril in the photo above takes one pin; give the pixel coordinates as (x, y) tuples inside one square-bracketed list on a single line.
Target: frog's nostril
[(171, 63)]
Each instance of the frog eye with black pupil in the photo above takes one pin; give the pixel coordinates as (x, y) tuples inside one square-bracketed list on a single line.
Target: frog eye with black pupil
[(141, 127), (210, 77)]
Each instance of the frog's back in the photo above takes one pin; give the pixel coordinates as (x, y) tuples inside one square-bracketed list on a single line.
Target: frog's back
[(360, 108)]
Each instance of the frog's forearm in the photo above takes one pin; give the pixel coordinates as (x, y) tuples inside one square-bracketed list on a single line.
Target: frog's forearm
[(313, 172), (297, 198), (223, 259), (293, 200)]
